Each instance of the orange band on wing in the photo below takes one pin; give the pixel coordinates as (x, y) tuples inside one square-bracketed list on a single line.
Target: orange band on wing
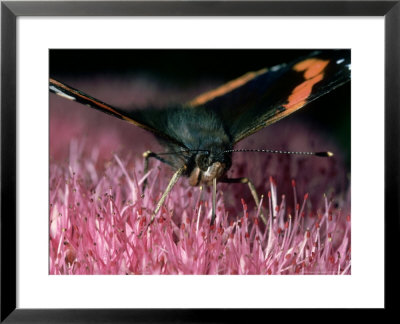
[(313, 69), (87, 98), (313, 73), (227, 87), (98, 104), (299, 95)]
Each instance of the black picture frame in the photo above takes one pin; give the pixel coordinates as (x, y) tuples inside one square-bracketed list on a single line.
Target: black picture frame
[(11, 10)]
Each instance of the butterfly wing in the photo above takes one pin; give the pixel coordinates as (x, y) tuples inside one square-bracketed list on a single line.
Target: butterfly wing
[(258, 99), (145, 119)]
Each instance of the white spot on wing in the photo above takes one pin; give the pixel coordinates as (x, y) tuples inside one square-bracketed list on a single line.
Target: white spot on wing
[(340, 61), (60, 93), (277, 67)]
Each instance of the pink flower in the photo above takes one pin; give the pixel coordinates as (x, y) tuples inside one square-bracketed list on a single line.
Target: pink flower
[(97, 209), (97, 212)]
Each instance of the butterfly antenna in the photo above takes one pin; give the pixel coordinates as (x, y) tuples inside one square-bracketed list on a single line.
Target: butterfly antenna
[(321, 154), (183, 151)]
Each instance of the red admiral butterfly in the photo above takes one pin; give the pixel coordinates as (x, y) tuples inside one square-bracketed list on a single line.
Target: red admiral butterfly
[(199, 136)]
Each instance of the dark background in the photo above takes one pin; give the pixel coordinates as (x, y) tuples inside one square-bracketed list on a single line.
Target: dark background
[(187, 68)]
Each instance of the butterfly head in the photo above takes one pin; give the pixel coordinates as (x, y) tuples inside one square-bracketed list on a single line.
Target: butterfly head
[(209, 165)]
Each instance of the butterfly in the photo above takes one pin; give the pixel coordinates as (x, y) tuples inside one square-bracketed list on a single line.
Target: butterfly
[(199, 136)]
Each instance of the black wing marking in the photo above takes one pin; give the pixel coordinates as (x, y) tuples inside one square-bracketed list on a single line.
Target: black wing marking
[(138, 118), (258, 99)]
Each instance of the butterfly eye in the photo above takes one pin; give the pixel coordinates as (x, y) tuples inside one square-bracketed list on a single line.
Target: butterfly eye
[(202, 161)]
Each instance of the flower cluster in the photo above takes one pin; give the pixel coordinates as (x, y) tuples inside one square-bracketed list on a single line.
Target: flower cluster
[(99, 216), (99, 224)]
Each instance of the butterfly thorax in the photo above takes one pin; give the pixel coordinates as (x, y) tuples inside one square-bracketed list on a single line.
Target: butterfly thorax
[(203, 134)]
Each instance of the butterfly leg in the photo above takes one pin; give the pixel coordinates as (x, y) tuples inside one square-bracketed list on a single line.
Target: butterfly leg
[(252, 190), (171, 184), (214, 201), (147, 155)]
